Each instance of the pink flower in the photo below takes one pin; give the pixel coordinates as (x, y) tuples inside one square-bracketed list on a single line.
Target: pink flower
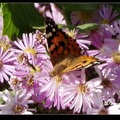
[(82, 40), (82, 17), (51, 86), (15, 104), (6, 64), (110, 81), (104, 44), (78, 95), (27, 73), (31, 51), (29, 68), (107, 15), (101, 109), (28, 46)]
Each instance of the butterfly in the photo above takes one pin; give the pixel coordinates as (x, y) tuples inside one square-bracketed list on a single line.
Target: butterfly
[(65, 53)]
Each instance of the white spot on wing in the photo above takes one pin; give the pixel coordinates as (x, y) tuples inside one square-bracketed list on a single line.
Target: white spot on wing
[(53, 29), (49, 34)]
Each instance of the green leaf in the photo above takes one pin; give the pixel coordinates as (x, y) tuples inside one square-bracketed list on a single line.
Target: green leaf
[(60, 26), (82, 7), (19, 19), (87, 27), (70, 27), (38, 27)]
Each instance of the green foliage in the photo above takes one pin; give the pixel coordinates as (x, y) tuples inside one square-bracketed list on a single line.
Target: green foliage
[(87, 27), (24, 18), (18, 19), (82, 28)]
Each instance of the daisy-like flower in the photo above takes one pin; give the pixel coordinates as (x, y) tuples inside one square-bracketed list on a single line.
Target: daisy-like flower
[(51, 85), (27, 73), (78, 95), (109, 82), (114, 60), (105, 45), (56, 14), (6, 64), (82, 17), (109, 48), (103, 37), (101, 109), (29, 68), (16, 103), (107, 15), (30, 54), (28, 46)]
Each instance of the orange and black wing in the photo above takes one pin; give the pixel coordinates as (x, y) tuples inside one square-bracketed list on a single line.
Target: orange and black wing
[(60, 44)]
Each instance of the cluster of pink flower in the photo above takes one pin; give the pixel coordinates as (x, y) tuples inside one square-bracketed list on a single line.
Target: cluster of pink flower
[(25, 65)]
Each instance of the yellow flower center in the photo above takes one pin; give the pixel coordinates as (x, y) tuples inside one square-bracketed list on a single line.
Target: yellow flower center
[(40, 37), (56, 77), (15, 81), (30, 82), (71, 33), (116, 57), (6, 45), (21, 58), (18, 109), (35, 69), (105, 21), (83, 88), (30, 50)]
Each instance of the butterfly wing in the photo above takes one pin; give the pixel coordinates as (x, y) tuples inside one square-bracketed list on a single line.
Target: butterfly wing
[(71, 63), (60, 44), (64, 50), (81, 62)]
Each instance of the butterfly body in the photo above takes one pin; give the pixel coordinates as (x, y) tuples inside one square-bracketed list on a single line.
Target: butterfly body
[(65, 53)]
